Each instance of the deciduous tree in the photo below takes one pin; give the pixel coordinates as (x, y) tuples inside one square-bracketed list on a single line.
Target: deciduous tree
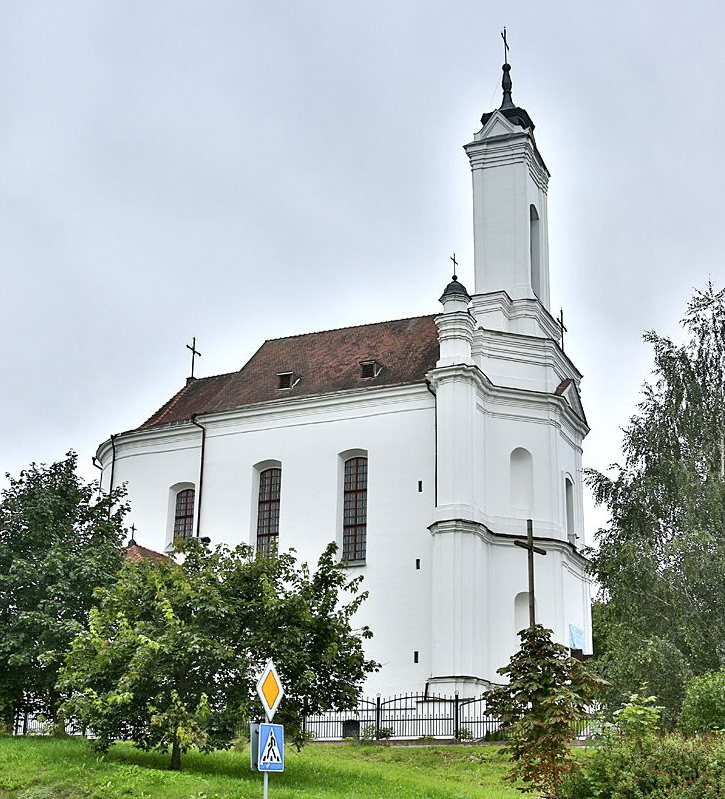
[(548, 693), (172, 652), (659, 561), (60, 537)]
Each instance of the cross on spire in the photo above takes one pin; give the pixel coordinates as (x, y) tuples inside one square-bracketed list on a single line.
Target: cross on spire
[(194, 353), (506, 47), (529, 546), (455, 266)]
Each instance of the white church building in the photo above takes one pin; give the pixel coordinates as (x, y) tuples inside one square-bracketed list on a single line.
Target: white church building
[(421, 446)]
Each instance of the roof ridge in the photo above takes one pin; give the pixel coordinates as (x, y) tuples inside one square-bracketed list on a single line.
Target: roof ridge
[(350, 327)]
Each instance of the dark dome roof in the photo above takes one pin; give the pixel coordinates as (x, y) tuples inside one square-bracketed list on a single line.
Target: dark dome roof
[(517, 116), (455, 289)]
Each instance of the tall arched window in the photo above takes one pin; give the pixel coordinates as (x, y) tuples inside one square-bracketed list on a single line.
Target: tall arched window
[(535, 250), (184, 514), (270, 483), (522, 482), (355, 509), (521, 611), (569, 503)]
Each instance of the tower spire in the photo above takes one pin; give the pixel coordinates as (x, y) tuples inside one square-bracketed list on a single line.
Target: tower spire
[(506, 85), (506, 80)]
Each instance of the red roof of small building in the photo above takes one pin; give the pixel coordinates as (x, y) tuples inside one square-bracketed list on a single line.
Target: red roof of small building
[(136, 553), (404, 351)]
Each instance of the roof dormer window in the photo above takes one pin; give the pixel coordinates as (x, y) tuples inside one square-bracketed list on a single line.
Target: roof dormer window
[(369, 369), (287, 379)]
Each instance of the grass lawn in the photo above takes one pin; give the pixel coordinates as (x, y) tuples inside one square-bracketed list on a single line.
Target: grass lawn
[(47, 768)]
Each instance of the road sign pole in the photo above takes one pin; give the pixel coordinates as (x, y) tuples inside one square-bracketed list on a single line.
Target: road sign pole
[(266, 785)]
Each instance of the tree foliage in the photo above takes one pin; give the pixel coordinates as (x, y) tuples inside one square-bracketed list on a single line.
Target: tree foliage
[(171, 655), (659, 561), (703, 709), (59, 538), (547, 694)]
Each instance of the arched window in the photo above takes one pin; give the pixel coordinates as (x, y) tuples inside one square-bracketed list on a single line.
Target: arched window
[(522, 482), (184, 514), (521, 611), (270, 483), (535, 250), (355, 509), (569, 503)]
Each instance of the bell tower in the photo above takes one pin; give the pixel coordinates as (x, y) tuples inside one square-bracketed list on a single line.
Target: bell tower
[(509, 427), (510, 216)]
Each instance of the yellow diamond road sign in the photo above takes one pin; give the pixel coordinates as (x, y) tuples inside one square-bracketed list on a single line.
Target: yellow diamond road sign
[(269, 689)]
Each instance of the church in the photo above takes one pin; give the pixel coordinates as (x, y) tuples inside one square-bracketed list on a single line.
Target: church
[(421, 446)]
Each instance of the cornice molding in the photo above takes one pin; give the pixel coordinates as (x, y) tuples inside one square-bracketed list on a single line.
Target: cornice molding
[(480, 530), (515, 397), (378, 399)]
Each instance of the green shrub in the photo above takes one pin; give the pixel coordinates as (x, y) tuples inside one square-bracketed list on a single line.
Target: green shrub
[(370, 733), (638, 717), (650, 767), (703, 709)]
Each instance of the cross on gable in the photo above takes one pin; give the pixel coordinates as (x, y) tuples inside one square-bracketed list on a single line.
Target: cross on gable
[(194, 353), (529, 546), (563, 328)]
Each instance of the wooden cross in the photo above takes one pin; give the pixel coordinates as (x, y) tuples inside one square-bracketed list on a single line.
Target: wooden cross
[(560, 320), (194, 353), (529, 546), (455, 266), (506, 47)]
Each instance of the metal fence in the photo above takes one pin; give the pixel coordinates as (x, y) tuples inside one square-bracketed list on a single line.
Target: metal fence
[(28, 724), (404, 716), (409, 716), (414, 716)]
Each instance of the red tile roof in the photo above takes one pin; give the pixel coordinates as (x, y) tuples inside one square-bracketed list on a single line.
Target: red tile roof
[(136, 553), (405, 350)]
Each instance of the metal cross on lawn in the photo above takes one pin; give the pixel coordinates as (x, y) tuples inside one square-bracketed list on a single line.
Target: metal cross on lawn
[(529, 546)]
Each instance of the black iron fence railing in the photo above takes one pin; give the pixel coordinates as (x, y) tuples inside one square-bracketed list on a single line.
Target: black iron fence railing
[(415, 716), (405, 716)]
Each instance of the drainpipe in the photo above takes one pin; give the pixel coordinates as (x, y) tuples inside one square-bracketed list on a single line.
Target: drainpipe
[(113, 469), (201, 471), (435, 442)]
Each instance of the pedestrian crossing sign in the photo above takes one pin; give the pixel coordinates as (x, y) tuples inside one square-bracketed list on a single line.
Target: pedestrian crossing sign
[(270, 755)]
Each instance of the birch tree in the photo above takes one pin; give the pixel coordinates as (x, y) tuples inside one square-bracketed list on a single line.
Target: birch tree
[(659, 562)]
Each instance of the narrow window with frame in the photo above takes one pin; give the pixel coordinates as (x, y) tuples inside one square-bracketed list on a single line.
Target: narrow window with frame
[(355, 508), (184, 514), (270, 482)]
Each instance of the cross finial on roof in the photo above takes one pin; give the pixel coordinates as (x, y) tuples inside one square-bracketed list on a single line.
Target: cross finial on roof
[(132, 540), (560, 320), (455, 265), (506, 80), (194, 353)]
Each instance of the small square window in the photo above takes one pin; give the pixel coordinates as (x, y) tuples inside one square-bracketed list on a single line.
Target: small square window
[(287, 379), (369, 369)]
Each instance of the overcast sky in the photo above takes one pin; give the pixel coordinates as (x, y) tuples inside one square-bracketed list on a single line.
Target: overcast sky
[(238, 171)]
